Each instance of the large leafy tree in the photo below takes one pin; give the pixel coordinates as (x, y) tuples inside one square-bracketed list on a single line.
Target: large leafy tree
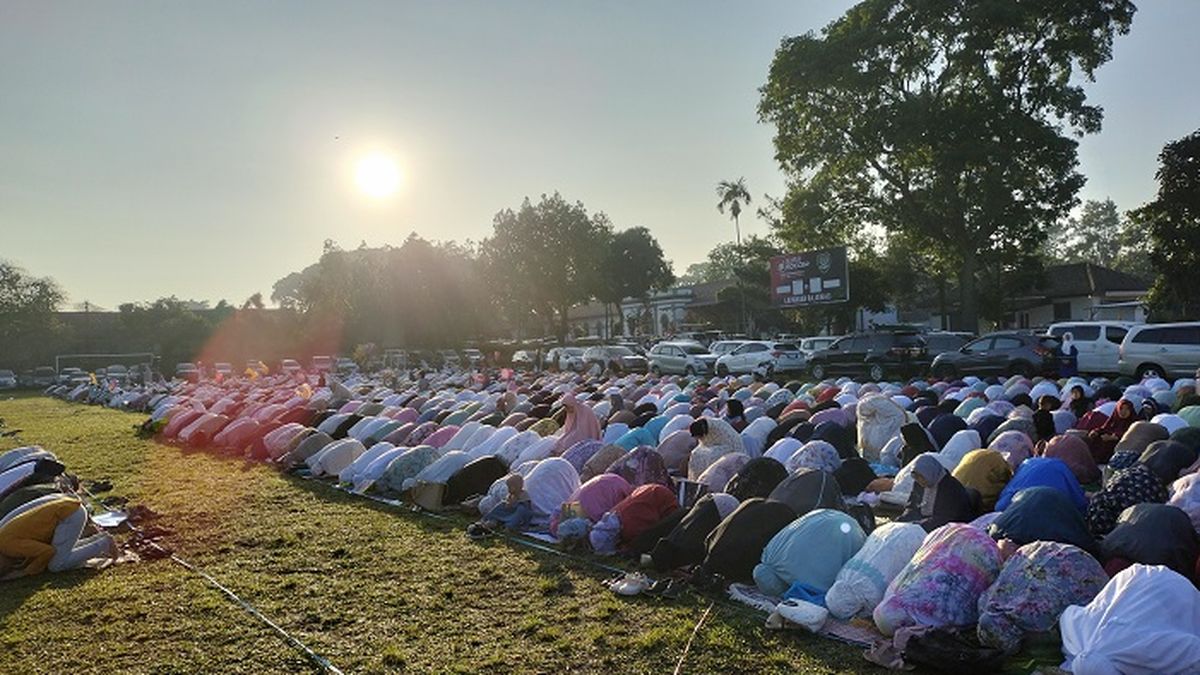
[(1172, 221), (420, 294), (949, 121), (1100, 235), (27, 307), (544, 257)]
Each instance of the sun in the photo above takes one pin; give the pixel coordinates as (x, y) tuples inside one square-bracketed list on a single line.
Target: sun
[(377, 175)]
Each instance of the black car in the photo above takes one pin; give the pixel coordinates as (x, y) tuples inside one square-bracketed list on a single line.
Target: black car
[(940, 342), (616, 358), (1004, 353), (873, 354)]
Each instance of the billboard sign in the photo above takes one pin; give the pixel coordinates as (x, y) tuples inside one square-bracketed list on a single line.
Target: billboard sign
[(820, 277)]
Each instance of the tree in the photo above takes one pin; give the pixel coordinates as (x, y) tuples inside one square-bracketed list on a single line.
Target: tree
[(1172, 221), (1095, 236), (944, 120), (732, 195), (748, 298), (696, 273), (632, 266), (27, 321), (543, 258), (255, 301)]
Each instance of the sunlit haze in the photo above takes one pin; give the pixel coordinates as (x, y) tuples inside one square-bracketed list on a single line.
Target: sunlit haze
[(238, 136), (377, 175)]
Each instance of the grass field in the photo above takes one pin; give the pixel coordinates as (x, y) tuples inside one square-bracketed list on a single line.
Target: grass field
[(372, 588)]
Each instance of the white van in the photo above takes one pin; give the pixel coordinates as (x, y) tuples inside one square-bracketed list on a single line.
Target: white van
[(1163, 349), (1099, 343)]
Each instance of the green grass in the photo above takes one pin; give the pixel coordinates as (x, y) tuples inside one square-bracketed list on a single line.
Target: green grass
[(372, 588)]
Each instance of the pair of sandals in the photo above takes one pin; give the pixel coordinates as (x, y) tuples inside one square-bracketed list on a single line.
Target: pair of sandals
[(628, 584), (478, 532), (636, 583)]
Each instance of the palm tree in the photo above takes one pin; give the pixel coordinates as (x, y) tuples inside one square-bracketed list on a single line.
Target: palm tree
[(733, 194)]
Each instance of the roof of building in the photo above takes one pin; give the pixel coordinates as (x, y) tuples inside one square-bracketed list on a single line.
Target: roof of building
[(1085, 278)]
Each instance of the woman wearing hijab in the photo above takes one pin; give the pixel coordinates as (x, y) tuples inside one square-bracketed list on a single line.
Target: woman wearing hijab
[(1152, 534), (861, 583), (1103, 441), (1043, 514), (48, 536), (1144, 482), (1074, 452), (1037, 583), (717, 439), (581, 425), (985, 472), (1048, 472), (1014, 446), (735, 414), (940, 587), (1079, 403), (937, 498), (1158, 630), (1068, 357), (810, 552)]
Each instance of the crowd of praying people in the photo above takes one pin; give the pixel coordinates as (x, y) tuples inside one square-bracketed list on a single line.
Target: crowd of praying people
[(1011, 507)]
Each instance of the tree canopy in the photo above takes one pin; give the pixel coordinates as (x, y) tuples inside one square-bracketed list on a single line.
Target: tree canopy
[(1172, 222), (946, 121), (544, 257), (27, 307)]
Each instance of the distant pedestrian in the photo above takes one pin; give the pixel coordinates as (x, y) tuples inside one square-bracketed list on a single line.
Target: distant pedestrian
[(1068, 357)]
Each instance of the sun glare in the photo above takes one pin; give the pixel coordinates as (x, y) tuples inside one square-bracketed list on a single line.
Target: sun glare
[(377, 175)]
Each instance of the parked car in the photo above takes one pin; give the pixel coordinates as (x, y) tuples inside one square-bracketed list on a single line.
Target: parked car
[(761, 356), (522, 358), (42, 376), (723, 347), (223, 369), (875, 354), (473, 356), (322, 364), (811, 345), (67, 375), (565, 358), (1003, 353), (290, 366), (681, 358), (940, 342), (187, 371), (8, 379), (632, 346), (1161, 349), (346, 366), (256, 365), (615, 358), (1098, 342), (449, 357), (117, 373)]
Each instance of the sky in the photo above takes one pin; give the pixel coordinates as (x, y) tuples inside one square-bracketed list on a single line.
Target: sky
[(207, 149)]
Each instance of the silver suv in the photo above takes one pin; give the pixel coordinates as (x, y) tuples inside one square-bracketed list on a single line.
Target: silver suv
[(1161, 349), (681, 358)]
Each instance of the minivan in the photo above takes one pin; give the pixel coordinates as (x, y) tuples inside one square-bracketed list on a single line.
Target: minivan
[(1161, 349), (1098, 342)]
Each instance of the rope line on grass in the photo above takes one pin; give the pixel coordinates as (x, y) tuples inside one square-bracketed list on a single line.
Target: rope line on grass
[(316, 658), (695, 631), (320, 661)]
